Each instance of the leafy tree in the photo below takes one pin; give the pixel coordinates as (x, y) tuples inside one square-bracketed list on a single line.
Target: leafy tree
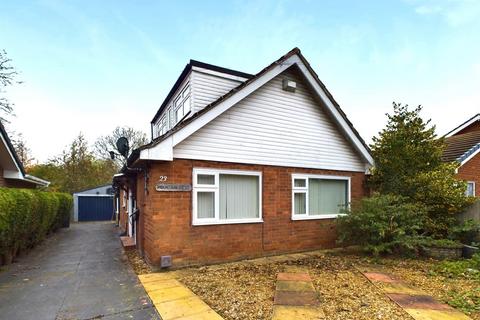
[(405, 148), (23, 151), (76, 168), (408, 163), (7, 78), (105, 144)]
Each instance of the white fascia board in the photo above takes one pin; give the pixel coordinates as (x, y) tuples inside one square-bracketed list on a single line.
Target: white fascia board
[(162, 151), (223, 106), (12, 174), (219, 74), (36, 180), (333, 110), (463, 126), (20, 176)]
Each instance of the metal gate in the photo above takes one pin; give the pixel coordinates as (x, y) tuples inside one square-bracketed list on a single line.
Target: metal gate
[(95, 208)]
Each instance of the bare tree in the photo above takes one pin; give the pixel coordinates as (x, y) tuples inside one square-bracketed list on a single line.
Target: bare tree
[(105, 144), (7, 78)]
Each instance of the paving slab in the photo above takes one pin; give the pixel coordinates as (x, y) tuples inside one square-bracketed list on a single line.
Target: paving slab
[(296, 313), (293, 277), (418, 304), (77, 273), (424, 314), (295, 298), (408, 301), (294, 286), (173, 300)]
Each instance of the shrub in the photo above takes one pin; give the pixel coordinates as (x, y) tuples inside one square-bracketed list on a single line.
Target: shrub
[(383, 224), (27, 216), (466, 232)]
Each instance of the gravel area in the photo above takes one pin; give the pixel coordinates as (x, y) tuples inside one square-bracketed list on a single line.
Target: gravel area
[(245, 290)]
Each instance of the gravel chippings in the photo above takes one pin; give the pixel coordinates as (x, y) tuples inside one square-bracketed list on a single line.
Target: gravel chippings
[(245, 290)]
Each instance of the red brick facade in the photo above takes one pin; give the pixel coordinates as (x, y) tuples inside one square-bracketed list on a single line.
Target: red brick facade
[(470, 171), (165, 225)]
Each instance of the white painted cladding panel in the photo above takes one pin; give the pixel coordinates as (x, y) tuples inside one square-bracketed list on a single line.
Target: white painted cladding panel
[(274, 127), (207, 88)]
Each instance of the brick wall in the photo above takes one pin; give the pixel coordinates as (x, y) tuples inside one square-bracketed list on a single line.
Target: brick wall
[(470, 171), (167, 218)]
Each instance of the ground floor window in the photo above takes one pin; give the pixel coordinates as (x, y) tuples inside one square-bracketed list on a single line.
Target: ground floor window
[(226, 196), (319, 196), (470, 189)]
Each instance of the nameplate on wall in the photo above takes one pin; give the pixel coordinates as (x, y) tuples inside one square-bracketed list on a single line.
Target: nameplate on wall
[(173, 187)]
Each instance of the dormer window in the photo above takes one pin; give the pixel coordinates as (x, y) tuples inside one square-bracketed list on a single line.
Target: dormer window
[(182, 104)]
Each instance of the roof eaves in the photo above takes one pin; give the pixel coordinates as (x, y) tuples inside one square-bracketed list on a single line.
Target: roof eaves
[(469, 153), (12, 149), (463, 125)]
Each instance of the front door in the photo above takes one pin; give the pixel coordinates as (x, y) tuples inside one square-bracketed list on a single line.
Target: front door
[(130, 214)]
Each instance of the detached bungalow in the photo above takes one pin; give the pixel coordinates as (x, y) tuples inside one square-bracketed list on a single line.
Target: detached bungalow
[(242, 166), (463, 146), (12, 173)]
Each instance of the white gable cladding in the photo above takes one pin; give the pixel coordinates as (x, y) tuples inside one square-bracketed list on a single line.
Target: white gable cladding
[(274, 127), (208, 86)]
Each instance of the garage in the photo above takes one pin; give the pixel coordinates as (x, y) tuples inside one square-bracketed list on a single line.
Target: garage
[(95, 204)]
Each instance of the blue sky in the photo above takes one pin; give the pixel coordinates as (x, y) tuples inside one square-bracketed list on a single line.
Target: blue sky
[(92, 65)]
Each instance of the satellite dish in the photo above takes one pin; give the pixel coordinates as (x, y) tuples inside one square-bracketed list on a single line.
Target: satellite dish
[(122, 146)]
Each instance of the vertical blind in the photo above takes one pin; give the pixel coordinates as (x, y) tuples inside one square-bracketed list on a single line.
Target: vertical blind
[(326, 196), (238, 196), (206, 204)]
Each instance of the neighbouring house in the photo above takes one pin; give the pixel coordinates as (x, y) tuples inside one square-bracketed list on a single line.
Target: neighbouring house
[(242, 166), (12, 172), (94, 204), (463, 146)]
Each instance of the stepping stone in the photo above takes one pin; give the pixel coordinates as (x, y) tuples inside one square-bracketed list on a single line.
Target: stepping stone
[(294, 277), (401, 288), (416, 303), (407, 301), (296, 313), (295, 298), (295, 286), (425, 314), (379, 277)]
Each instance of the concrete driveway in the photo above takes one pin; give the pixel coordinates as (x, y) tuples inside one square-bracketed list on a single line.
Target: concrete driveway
[(78, 273)]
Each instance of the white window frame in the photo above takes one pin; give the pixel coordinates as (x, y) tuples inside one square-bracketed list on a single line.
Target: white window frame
[(305, 190), (215, 188), (474, 192)]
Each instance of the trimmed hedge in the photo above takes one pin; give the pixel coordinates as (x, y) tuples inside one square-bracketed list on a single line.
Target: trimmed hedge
[(28, 216)]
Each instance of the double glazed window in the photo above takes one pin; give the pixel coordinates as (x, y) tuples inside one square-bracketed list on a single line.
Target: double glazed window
[(315, 196), (182, 104), (470, 192), (226, 196)]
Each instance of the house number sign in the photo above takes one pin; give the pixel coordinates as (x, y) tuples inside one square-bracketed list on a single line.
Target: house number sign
[(173, 187)]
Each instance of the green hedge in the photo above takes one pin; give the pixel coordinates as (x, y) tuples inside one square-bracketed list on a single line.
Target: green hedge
[(27, 216)]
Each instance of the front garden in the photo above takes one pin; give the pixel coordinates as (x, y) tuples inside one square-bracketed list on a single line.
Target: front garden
[(408, 228)]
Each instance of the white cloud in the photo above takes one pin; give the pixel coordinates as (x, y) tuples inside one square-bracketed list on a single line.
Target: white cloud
[(455, 12)]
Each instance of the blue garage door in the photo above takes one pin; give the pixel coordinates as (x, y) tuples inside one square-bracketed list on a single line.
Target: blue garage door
[(91, 208)]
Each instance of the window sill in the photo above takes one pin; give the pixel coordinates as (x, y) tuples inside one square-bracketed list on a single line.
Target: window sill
[(319, 217), (210, 223)]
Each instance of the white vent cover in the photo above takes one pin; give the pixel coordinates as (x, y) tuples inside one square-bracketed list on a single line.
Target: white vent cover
[(289, 85), (165, 261)]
